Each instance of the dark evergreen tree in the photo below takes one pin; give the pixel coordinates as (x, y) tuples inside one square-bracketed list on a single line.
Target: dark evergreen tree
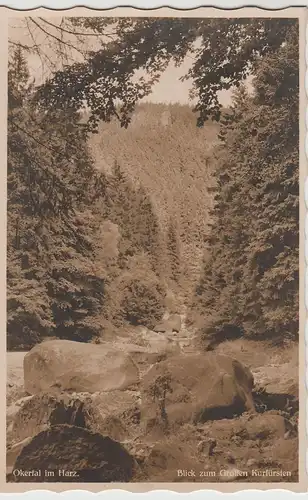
[(250, 280), (174, 251), (147, 228), (51, 181)]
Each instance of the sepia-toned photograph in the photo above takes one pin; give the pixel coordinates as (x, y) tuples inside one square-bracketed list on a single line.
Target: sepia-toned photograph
[(152, 248)]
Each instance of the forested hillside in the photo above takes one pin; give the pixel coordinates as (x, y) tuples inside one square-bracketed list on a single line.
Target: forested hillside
[(100, 229), (106, 220), (163, 151)]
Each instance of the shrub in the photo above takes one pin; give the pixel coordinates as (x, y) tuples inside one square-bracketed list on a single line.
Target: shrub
[(142, 302), (141, 295)]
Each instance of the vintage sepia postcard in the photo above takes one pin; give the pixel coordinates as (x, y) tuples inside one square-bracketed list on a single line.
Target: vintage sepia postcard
[(154, 215)]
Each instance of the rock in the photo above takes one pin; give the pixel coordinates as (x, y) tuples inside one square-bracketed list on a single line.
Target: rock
[(115, 414), (32, 417), (252, 462), (281, 454), (273, 412), (90, 456), (161, 344), (13, 451), (164, 461), (286, 450), (156, 348), (13, 409), (160, 327), (279, 378), (74, 366), (172, 324), (12, 412), (227, 430), (229, 457), (175, 322), (206, 447), (262, 426), (14, 376), (146, 354), (265, 426), (194, 388)]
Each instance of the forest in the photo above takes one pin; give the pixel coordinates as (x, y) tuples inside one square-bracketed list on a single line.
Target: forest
[(114, 209)]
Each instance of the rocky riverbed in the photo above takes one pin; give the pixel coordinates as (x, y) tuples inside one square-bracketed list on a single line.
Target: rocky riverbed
[(154, 407)]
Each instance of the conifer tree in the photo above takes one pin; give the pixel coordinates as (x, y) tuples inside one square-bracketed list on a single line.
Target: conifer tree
[(148, 228), (174, 251), (51, 180), (18, 78), (251, 278)]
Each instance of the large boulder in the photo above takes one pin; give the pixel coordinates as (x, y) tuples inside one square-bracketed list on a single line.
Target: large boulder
[(14, 408), (194, 388), (13, 452), (266, 426), (72, 454), (14, 376), (115, 414), (172, 324), (260, 426), (76, 366), (164, 460), (154, 350), (12, 412), (279, 378), (145, 348)]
